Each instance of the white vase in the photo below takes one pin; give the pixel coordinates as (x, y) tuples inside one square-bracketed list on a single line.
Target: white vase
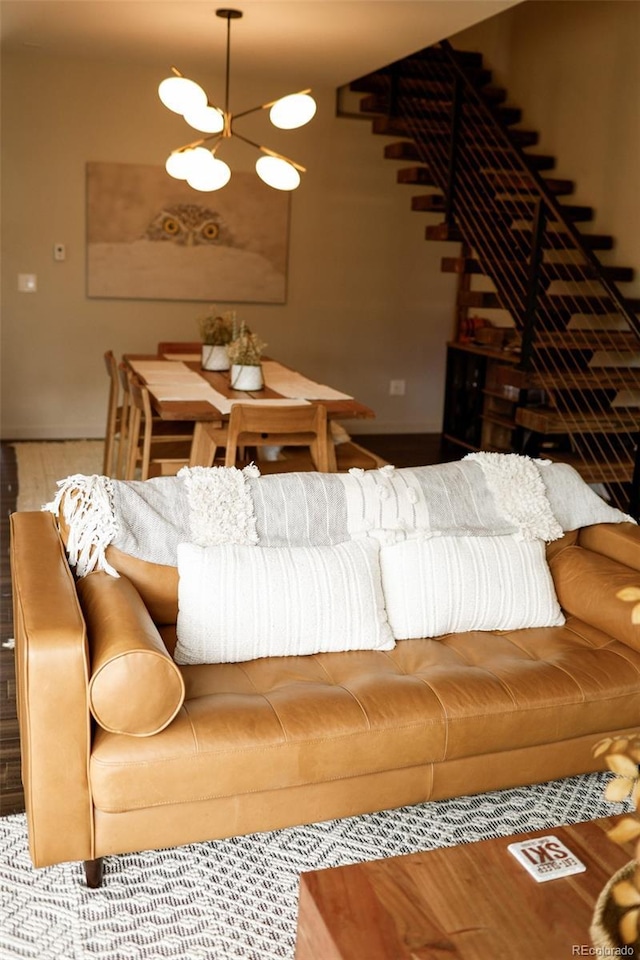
[(214, 356), (245, 377)]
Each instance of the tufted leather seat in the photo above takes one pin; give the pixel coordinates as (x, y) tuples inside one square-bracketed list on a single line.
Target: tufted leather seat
[(243, 726)]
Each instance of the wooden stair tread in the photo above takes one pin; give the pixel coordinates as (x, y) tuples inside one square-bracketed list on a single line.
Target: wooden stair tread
[(552, 240), (556, 240), (549, 421), (556, 305), (613, 340), (435, 203), (430, 130), (506, 180), (427, 108), (416, 175), (403, 150), (553, 270), (615, 379), (415, 86)]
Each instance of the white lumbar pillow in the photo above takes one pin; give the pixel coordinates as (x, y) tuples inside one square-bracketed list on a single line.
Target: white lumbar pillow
[(455, 584), (238, 602)]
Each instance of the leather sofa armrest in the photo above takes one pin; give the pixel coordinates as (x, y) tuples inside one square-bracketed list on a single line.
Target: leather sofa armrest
[(592, 587), (135, 686), (52, 677), (618, 541)]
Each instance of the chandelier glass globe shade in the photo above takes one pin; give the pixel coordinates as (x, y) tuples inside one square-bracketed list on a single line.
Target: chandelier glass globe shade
[(292, 111), (180, 94), (277, 173)]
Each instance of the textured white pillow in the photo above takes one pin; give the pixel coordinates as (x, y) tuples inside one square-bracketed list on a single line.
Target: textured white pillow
[(239, 602), (454, 584)]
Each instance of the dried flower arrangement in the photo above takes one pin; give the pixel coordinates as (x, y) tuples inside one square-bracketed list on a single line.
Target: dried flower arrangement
[(216, 329), (622, 756), (246, 348)]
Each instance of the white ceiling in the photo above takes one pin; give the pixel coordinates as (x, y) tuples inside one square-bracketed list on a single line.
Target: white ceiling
[(315, 41)]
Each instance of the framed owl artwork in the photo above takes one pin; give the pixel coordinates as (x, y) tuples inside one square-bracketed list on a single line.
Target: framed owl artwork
[(152, 237)]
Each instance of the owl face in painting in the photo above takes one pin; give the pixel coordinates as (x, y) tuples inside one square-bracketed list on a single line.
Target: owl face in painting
[(189, 225)]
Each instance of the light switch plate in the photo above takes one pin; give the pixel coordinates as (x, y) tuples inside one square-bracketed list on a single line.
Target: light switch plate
[(27, 282)]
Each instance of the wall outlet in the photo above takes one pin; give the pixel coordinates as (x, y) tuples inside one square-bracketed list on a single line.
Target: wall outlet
[(397, 388), (59, 251)]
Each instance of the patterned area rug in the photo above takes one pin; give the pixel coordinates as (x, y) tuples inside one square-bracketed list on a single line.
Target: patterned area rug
[(42, 463), (237, 899)]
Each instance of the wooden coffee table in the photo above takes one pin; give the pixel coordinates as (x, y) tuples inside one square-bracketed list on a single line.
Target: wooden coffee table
[(469, 902)]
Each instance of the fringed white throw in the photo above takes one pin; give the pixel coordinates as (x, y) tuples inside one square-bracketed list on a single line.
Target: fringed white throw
[(87, 508), (484, 495)]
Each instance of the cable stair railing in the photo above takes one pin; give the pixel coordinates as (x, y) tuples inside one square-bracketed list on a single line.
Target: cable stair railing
[(578, 374)]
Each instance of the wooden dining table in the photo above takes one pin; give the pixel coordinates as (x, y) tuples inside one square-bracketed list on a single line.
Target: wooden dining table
[(180, 389)]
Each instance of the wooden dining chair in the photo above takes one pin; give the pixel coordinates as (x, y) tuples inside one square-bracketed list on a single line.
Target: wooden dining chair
[(117, 414), (261, 425), (158, 448)]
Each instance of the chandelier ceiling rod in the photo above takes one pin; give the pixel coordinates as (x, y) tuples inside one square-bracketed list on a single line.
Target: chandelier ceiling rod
[(199, 166), (229, 15)]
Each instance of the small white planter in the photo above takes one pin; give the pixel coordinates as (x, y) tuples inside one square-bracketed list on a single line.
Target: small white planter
[(214, 357), (246, 378)]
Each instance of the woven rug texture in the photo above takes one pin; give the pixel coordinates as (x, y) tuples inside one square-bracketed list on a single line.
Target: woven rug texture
[(42, 463), (236, 899)]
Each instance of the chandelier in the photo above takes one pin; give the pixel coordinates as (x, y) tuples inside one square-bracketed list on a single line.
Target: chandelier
[(198, 164)]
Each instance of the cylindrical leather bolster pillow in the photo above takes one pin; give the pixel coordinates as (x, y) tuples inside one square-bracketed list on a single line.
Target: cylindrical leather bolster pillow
[(135, 686), (587, 585)]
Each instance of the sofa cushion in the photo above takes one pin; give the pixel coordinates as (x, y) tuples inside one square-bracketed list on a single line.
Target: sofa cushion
[(274, 723), (454, 584), (238, 602)]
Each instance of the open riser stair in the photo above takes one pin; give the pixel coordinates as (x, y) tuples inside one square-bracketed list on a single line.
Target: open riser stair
[(574, 364)]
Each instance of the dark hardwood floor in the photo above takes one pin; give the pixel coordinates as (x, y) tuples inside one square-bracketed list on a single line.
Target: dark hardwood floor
[(403, 450), (406, 449), (11, 794)]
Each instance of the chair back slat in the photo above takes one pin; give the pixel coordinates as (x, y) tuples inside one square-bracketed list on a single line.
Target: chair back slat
[(258, 425)]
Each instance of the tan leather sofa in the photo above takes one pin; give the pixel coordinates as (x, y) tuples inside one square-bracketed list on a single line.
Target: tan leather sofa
[(224, 749)]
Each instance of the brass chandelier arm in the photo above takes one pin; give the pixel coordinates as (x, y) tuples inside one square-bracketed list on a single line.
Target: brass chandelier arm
[(198, 143), (270, 153)]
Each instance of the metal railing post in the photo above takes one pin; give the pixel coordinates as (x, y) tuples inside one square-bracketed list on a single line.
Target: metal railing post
[(533, 284), (456, 110)]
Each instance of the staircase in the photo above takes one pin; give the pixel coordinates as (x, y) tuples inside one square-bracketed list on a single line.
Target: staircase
[(576, 337)]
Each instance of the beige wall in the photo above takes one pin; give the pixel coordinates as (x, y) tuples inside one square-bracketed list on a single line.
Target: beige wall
[(366, 301), (573, 67)]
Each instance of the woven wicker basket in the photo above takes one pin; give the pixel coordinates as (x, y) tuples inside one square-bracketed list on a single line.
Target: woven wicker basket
[(606, 916)]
